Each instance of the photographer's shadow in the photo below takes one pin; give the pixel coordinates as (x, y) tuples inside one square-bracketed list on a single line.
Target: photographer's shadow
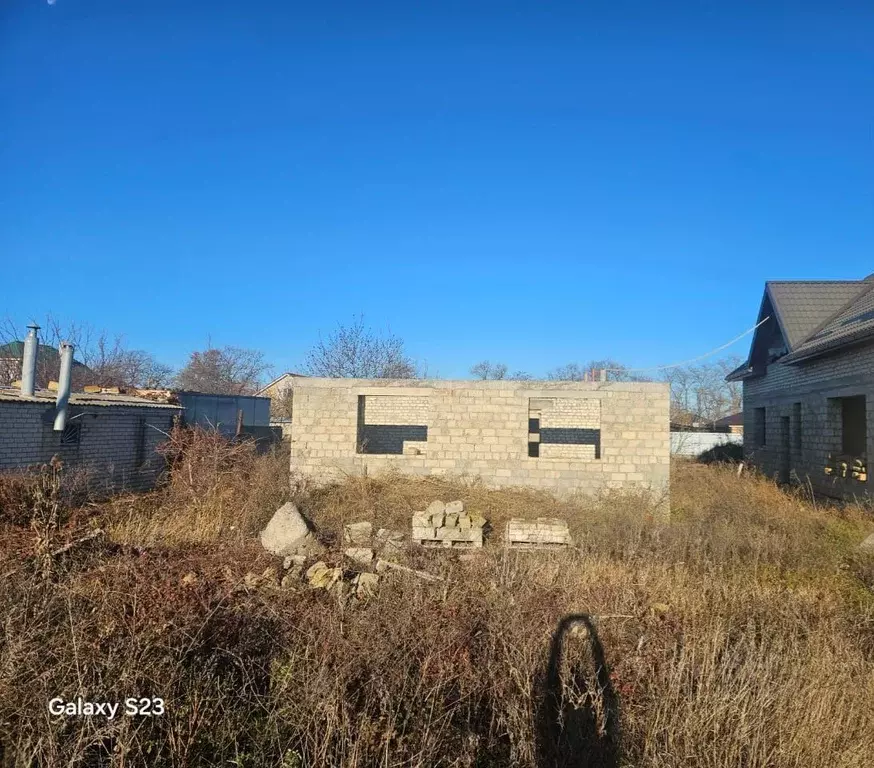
[(582, 733)]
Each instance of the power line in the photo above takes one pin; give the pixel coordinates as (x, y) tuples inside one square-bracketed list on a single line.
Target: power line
[(694, 359)]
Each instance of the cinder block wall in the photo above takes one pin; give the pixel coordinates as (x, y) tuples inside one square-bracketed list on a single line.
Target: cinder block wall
[(116, 443), (814, 386), (482, 428)]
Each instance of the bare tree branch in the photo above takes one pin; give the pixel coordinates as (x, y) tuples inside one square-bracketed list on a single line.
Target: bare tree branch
[(98, 358), (225, 371), (616, 371), (486, 370), (355, 351)]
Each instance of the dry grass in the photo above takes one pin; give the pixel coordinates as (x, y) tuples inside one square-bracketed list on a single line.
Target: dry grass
[(215, 491), (739, 634)]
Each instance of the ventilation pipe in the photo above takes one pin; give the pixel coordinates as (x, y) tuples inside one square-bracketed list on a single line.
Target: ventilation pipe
[(28, 360), (66, 352)]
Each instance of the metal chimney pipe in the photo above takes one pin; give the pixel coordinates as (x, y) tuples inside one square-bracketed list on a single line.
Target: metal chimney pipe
[(28, 360), (66, 352)]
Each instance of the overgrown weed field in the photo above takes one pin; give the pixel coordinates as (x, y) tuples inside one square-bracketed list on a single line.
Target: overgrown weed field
[(738, 633)]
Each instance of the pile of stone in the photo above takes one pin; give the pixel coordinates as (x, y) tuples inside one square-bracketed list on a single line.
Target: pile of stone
[(322, 576), (448, 525), (361, 543), (542, 533)]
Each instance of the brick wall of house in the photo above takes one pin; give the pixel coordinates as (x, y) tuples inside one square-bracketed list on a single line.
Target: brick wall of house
[(116, 444), (482, 428), (803, 400)]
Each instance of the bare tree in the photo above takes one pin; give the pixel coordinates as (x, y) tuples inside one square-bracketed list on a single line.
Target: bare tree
[(225, 371), (699, 393), (282, 404), (98, 357), (486, 370), (575, 372), (355, 351)]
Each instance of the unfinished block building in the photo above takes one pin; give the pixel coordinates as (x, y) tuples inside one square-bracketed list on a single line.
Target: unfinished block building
[(562, 436), (808, 385)]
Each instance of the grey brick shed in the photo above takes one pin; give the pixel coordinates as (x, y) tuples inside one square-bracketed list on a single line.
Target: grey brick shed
[(111, 437)]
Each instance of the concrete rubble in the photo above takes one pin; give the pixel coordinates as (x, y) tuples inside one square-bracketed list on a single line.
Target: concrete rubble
[(360, 555), (365, 584), (268, 579), (542, 533), (448, 526), (386, 565), (390, 541), (288, 533), (295, 561), (358, 534), (321, 576)]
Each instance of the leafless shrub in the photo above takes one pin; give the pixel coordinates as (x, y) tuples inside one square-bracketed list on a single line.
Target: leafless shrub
[(216, 489)]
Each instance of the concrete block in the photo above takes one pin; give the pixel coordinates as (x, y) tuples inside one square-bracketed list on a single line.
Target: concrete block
[(358, 534), (436, 508)]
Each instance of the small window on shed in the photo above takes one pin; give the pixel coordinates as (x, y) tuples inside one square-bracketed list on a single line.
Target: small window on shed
[(71, 434)]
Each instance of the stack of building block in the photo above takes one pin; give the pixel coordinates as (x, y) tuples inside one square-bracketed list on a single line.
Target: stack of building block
[(542, 533), (448, 525)]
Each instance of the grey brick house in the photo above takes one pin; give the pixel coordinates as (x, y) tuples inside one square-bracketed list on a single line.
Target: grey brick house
[(808, 385)]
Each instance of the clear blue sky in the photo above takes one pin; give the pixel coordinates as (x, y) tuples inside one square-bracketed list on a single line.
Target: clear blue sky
[(529, 182)]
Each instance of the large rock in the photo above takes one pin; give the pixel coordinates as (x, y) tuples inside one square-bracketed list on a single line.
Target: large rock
[(868, 544), (288, 533)]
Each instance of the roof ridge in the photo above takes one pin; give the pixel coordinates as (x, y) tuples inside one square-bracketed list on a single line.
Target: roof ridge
[(866, 289)]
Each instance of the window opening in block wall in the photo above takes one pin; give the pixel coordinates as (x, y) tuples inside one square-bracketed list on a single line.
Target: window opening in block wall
[(854, 426), (796, 420), (760, 433), (566, 428), (533, 434), (392, 424)]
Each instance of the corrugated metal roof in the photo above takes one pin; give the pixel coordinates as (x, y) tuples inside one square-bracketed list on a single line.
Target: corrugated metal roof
[(802, 306), (46, 397)]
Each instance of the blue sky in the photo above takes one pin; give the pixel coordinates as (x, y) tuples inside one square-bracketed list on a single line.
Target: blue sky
[(528, 182)]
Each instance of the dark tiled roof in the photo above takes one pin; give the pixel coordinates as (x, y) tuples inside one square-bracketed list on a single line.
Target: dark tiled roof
[(816, 317), (802, 306), (851, 323)]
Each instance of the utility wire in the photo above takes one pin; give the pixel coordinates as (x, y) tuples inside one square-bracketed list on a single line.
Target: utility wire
[(694, 359)]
